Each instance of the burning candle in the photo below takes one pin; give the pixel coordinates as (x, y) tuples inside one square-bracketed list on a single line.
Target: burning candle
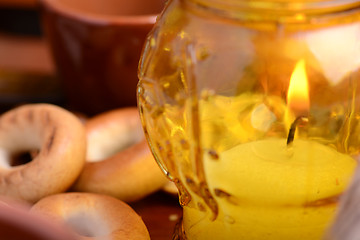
[(298, 92), (298, 103), (270, 189)]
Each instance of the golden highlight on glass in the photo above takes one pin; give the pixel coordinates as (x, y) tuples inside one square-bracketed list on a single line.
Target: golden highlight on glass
[(253, 111)]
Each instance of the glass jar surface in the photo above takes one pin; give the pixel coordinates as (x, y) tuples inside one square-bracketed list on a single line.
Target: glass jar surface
[(252, 109)]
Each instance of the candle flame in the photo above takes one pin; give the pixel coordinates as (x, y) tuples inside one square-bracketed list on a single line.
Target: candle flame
[(298, 92)]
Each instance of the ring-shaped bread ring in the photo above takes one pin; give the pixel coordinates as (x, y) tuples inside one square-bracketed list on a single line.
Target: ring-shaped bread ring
[(119, 161), (16, 223), (57, 135), (93, 216)]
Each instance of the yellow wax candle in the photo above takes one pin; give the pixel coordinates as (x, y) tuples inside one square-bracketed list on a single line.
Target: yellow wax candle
[(273, 191)]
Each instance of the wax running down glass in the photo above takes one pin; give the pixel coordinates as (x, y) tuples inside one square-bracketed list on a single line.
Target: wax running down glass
[(253, 116)]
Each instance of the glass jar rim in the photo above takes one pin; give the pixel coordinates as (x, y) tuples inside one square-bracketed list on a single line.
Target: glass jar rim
[(283, 5), (293, 10)]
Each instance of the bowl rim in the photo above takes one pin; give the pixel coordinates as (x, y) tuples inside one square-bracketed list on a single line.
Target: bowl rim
[(98, 19)]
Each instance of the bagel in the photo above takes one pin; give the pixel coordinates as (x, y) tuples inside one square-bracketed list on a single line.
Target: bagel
[(111, 132), (171, 189), (119, 161), (93, 216), (57, 142), (16, 223)]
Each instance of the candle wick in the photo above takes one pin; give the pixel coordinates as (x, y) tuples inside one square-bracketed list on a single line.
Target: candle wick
[(293, 127)]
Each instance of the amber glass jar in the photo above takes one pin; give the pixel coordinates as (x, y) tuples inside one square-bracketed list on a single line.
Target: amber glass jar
[(252, 109)]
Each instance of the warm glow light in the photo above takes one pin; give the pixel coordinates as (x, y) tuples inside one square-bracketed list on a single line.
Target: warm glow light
[(298, 92)]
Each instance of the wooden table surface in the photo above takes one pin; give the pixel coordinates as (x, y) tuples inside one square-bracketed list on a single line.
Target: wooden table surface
[(160, 211)]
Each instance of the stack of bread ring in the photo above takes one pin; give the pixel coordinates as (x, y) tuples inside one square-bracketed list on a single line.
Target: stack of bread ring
[(81, 172)]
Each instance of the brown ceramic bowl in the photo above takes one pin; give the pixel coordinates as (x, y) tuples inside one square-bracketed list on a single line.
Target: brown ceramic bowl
[(18, 3), (96, 46)]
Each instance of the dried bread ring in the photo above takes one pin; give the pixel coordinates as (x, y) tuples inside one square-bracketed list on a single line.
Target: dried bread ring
[(171, 189), (57, 137), (93, 216), (119, 161), (16, 223)]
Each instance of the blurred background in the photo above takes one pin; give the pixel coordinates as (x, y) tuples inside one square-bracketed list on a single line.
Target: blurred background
[(26, 67)]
